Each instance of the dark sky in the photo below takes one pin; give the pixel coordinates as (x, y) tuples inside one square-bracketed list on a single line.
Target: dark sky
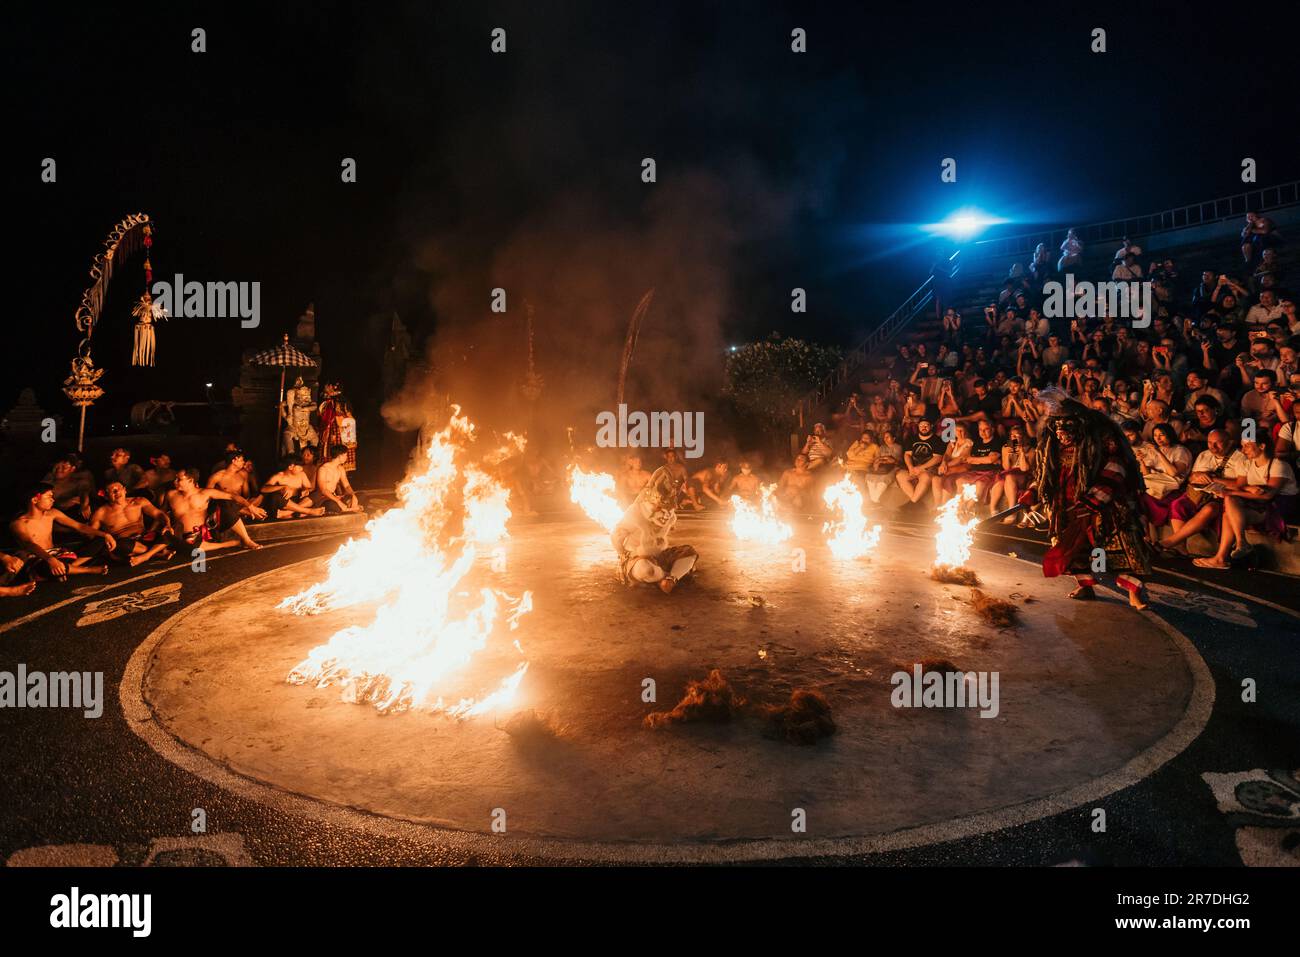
[(522, 170)]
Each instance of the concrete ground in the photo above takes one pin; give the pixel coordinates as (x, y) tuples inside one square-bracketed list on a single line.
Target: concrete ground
[(1085, 692), (122, 790)]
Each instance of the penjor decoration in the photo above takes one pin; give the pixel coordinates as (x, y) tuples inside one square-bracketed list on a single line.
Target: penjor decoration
[(133, 233)]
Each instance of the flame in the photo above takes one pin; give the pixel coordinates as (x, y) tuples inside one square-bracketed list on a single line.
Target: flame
[(848, 537), (594, 492), (423, 635), (952, 544), (759, 524)]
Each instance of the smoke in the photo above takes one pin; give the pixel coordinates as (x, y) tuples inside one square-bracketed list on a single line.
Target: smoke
[(542, 196)]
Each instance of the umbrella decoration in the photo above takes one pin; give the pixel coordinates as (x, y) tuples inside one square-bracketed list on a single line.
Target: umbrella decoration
[(286, 357), (128, 237)]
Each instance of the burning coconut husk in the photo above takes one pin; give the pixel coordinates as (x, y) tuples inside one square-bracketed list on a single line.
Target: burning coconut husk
[(996, 611), (593, 492), (952, 544), (806, 719), (759, 524), (948, 575), (711, 700), (428, 626), (848, 536)]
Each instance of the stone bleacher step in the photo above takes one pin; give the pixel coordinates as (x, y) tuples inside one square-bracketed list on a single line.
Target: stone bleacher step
[(291, 528)]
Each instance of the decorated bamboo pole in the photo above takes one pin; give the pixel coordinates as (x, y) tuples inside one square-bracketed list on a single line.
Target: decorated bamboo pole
[(629, 344)]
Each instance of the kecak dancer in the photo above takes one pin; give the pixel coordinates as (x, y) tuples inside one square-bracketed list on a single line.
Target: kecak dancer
[(641, 537), (1088, 480)]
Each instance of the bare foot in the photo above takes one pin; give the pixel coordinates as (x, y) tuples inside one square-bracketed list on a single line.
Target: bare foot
[(137, 559), (1083, 593), (318, 511), (252, 546), (1210, 563), (1138, 599), (666, 585), (16, 591)]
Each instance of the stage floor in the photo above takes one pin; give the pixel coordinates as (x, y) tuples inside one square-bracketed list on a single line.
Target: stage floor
[(1093, 696)]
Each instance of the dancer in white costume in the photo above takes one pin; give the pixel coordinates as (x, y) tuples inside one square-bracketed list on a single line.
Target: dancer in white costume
[(641, 537)]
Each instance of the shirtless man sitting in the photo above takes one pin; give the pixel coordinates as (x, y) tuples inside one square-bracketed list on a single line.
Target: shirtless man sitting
[(34, 532), (332, 484), (124, 518), (287, 493), (745, 483), (795, 483), (156, 479), (234, 480), (191, 507), (678, 472), (713, 482), (631, 480)]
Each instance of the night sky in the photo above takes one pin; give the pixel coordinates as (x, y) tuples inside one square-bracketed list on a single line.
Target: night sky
[(522, 170)]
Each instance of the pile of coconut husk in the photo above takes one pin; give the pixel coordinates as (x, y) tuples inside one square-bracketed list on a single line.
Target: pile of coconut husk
[(804, 720), (941, 665), (530, 728), (710, 700), (996, 611), (948, 575)]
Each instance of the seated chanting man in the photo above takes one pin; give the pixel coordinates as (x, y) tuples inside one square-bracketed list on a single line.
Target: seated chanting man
[(235, 480), (287, 493), (33, 530), (204, 518), (334, 489), (124, 518)]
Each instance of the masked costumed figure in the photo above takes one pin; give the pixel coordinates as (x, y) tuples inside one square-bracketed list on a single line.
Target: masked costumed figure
[(298, 431), (641, 537), (1088, 480), (338, 426)]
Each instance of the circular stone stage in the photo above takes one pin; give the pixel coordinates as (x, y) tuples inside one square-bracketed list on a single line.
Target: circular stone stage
[(1092, 698)]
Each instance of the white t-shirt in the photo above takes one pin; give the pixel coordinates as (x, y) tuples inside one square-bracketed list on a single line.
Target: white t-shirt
[(1261, 315), (1234, 467), (1259, 475), (1158, 482)]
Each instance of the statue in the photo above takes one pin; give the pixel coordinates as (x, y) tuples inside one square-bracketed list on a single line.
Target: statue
[(297, 409)]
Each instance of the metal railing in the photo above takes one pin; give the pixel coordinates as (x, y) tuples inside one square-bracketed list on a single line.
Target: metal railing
[(1180, 217), (879, 337)]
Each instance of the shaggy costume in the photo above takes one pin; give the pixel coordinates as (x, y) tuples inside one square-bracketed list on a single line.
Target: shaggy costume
[(1090, 485), (641, 537)]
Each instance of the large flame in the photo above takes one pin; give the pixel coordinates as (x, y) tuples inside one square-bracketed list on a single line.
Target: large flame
[(426, 632), (952, 543), (594, 492), (759, 524), (848, 536)]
